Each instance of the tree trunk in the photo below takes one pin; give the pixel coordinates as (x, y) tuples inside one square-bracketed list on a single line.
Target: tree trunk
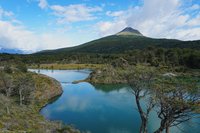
[(143, 127), (159, 130), (20, 97), (8, 91), (162, 127), (167, 129), (7, 110)]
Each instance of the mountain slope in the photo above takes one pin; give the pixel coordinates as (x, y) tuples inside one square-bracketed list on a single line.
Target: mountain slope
[(122, 42), (129, 31)]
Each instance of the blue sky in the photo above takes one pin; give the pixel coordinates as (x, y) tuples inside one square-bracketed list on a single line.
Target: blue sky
[(34, 25)]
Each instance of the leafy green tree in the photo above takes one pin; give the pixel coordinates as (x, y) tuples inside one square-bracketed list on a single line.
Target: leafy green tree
[(172, 58), (160, 53), (193, 60)]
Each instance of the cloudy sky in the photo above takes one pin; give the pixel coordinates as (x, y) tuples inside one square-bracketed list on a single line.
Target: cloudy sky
[(34, 25)]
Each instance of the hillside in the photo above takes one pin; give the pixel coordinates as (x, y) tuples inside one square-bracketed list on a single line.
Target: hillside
[(127, 39)]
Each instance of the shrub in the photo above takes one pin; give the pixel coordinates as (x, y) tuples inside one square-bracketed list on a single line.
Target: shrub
[(22, 67), (7, 69)]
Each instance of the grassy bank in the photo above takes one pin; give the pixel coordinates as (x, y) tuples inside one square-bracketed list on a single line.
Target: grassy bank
[(67, 66), (26, 117), (109, 74)]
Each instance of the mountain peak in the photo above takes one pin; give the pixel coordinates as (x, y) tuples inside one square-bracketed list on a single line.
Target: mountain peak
[(129, 31)]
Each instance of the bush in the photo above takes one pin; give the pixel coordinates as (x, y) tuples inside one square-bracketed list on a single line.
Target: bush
[(7, 69), (22, 67)]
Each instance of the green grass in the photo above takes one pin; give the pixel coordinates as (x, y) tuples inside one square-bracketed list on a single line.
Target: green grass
[(67, 66)]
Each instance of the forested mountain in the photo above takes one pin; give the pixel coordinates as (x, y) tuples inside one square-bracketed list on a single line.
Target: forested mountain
[(127, 39), (128, 44)]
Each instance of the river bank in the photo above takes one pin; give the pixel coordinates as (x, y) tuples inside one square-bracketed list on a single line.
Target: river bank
[(55, 66), (108, 74), (116, 75), (26, 118)]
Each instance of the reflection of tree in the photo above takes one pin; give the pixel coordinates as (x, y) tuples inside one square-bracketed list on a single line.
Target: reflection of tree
[(177, 101), (139, 79), (109, 87)]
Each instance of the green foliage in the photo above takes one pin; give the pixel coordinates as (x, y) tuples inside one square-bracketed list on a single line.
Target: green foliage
[(155, 56), (22, 67), (7, 69)]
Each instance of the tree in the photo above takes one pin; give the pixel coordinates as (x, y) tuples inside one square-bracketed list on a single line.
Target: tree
[(177, 101), (160, 52), (5, 102), (25, 86), (6, 83), (139, 79), (6, 87), (193, 61), (172, 57)]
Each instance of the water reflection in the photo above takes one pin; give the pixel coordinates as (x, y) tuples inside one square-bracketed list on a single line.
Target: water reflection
[(98, 108), (94, 110)]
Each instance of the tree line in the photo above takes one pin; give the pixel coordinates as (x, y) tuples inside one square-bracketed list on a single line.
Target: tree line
[(155, 56)]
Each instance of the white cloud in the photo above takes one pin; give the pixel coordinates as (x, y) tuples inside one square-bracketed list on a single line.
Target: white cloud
[(43, 4), (13, 35), (110, 28), (186, 34), (114, 14), (6, 14), (18, 37), (156, 18), (195, 7), (195, 21), (75, 13)]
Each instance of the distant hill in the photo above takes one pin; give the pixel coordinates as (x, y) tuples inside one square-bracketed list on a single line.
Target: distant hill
[(11, 51), (127, 39)]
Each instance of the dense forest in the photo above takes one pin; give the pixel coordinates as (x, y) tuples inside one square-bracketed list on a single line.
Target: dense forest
[(155, 56)]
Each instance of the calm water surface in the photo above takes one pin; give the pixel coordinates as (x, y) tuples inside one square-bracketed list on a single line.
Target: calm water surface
[(99, 108)]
